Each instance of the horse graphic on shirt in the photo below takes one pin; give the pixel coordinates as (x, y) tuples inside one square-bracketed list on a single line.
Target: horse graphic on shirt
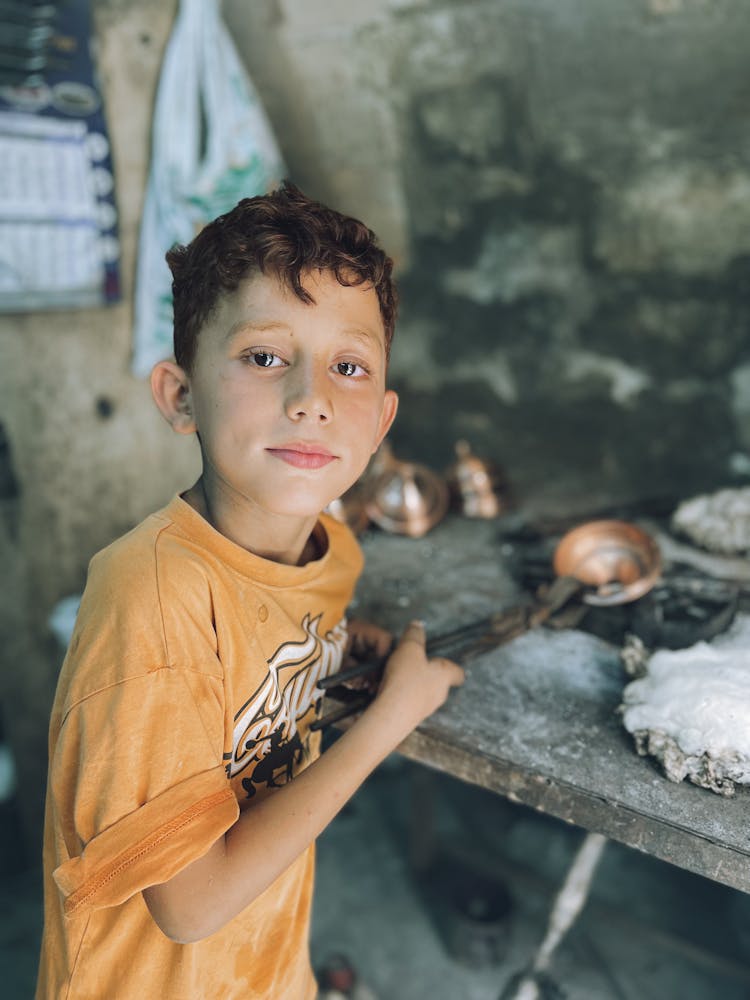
[(265, 731)]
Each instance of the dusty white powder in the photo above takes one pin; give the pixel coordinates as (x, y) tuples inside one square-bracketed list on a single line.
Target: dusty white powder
[(719, 521), (692, 710)]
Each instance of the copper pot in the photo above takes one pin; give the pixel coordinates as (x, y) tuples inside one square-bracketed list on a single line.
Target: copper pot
[(406, 498), (475, 484), (350, 509)]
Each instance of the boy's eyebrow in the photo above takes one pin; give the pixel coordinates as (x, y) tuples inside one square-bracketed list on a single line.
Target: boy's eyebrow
[(364, 335), (260, 327)]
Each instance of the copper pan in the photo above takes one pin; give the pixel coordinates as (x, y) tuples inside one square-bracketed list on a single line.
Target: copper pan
[(618, 560)]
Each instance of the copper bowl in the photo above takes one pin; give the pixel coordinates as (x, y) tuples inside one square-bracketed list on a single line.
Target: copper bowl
[(617, 558)]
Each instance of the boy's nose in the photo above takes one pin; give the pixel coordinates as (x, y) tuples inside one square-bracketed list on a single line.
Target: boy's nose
[(307, 397)]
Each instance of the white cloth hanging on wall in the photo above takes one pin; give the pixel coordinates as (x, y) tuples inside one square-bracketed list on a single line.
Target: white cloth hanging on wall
[(211, 145)]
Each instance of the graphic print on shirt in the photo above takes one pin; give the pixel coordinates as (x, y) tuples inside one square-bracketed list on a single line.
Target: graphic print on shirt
[(265, 732)]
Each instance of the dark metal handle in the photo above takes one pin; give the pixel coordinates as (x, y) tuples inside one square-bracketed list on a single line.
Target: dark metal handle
[(341, 713)]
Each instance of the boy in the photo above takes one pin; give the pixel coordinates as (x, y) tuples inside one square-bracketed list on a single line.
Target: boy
[(178, 852)]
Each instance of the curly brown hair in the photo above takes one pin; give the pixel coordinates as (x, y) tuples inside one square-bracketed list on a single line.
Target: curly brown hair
[(285, 234)]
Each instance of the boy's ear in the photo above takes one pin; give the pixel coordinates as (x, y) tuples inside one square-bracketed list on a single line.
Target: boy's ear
[(170, 387), (387, 416)]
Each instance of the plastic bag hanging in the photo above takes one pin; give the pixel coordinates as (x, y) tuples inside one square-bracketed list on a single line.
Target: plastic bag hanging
[(211, 146)]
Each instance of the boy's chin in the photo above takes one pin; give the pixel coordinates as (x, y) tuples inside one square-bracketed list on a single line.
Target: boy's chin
[(303, 508)]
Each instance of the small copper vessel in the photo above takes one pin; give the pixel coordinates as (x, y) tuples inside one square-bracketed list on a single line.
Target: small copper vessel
[(382, 461), (620, 560), (474, 484), (406, 498)]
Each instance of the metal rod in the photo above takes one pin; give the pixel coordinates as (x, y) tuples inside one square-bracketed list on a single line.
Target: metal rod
[(490, 631), (568, 904), (433, 647), (351, 708)]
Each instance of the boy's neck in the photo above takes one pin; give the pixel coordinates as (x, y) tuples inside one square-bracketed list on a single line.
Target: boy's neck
[(290, 541)]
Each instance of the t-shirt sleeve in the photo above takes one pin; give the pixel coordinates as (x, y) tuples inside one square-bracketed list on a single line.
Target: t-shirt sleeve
[(140, 788)]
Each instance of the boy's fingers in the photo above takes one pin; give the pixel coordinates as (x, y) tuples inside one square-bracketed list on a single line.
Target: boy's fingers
[(414, 632), (385, 644), (456, 673)]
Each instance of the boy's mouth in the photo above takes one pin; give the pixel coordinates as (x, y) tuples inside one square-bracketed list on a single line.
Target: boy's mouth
[(303, 455)]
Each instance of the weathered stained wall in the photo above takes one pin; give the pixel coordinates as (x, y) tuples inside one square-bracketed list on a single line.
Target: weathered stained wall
[(564, 185)]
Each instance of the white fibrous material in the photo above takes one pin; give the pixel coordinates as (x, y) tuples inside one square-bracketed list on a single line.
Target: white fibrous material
[(719, 522), (691, 711)]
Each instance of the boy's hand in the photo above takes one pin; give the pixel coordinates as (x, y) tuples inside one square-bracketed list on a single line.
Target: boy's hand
[(414, 686), (366, 642)]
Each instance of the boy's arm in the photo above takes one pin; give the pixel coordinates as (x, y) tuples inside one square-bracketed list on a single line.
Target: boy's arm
[(270, 835)]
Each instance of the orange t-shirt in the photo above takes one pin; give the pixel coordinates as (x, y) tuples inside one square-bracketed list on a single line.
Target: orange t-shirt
[(186, 695)]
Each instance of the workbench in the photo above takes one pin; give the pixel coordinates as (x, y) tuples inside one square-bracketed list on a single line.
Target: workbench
[(537, 720)]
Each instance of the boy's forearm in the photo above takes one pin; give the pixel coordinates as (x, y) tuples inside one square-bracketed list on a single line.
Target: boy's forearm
[(292, 818), (270, 835)]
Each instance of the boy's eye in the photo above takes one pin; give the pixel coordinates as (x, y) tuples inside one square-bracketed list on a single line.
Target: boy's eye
[(349, 368), (265, 359)]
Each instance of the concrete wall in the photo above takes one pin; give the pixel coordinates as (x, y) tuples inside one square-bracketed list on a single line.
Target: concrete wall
[(86, 453), (564, 185)]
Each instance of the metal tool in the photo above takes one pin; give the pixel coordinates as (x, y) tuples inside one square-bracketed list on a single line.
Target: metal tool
[(605, 562), (466, 640)]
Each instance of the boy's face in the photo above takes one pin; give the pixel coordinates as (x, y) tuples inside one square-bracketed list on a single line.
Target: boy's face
[(289, 398)]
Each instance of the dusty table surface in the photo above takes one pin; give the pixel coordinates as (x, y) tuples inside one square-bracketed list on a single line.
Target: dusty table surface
[(536, 719)]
